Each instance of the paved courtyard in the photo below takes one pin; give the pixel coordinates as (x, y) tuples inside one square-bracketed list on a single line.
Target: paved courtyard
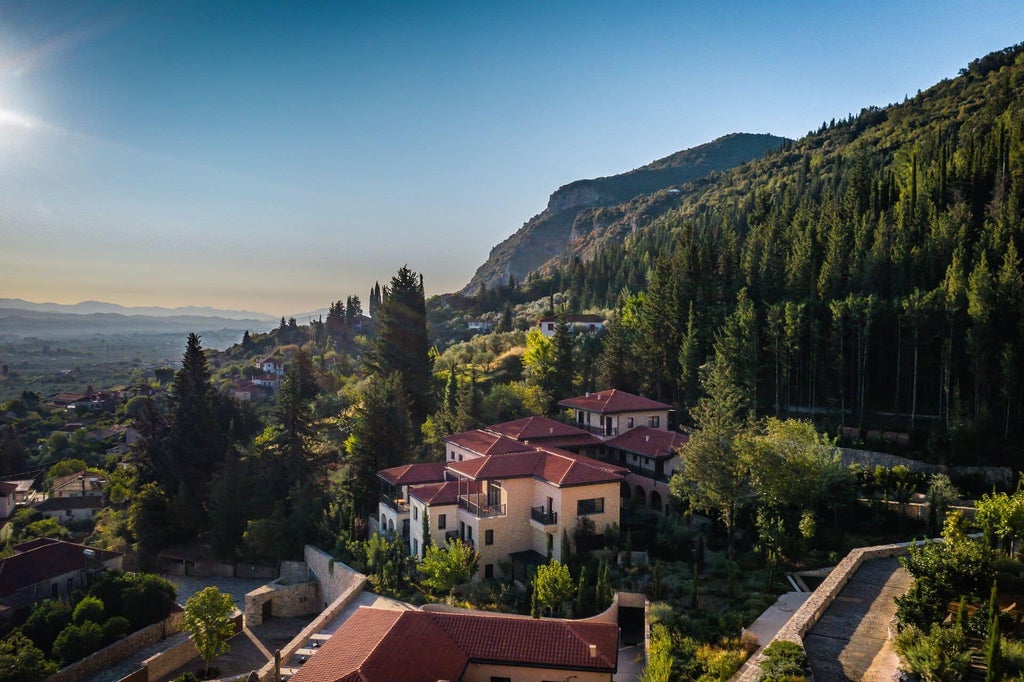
[(851, 641)]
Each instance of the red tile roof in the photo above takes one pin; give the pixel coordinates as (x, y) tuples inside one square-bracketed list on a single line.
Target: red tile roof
[(7, 488), (612, 401), (486, 443), (537, 429), (411, 474), (557, 467), (46, 558), (643, 440), (378, 645), (526, 641), (440, 493), (381, 645)]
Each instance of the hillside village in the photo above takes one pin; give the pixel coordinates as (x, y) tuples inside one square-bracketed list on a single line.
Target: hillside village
[(677, 453)]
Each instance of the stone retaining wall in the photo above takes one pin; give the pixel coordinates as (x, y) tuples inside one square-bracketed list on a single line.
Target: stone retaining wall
[(340, 577), (111, 655), (805, 618), (172, 658), (335, 578), (286, 601)]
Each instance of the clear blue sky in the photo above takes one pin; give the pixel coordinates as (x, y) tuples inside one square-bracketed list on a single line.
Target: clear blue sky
[(278, 156)]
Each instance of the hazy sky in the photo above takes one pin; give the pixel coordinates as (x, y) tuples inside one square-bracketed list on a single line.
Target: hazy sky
[(278, 156)]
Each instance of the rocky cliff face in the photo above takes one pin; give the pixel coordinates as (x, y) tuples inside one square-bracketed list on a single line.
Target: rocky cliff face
[(584, 214)]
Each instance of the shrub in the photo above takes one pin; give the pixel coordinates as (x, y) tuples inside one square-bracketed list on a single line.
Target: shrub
[(78, 641), (47, 620), (21, 660), (147, 600), (940, 655), (783, 661), (115, 628), (90, 608)]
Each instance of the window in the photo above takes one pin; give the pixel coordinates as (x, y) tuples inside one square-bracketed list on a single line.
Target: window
[(654, 422), (460, 458), (415, 513), (488, 537), (451, 455), (629, 422), (415, 547), (442, 521), (594, 505), (489, 571)]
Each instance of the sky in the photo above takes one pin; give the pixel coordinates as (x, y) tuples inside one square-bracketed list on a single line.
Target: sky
[(277, 156)]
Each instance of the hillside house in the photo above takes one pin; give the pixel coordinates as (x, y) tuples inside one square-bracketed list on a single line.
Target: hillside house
[(612, 412), (591, 324), (8, 498), (480, 326), (69, 510), (652, 456), (50, 569), (510, 500), (78, 484), (382, 645)]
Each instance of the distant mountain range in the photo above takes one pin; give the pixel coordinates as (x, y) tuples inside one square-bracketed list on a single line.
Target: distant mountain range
[(91, 307), (584, 214), (16, 323)]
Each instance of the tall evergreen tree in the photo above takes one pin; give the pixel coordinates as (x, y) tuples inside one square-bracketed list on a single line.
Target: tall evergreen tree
[(402, 345)]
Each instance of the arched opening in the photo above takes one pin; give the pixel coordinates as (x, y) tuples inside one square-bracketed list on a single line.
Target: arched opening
[(624, 491), (656, 502), (391, 525), (641, 497)]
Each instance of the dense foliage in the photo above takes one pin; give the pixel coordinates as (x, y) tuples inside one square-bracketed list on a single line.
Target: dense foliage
[(880, 259)]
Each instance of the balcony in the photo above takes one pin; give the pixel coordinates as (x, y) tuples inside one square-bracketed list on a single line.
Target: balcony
[(647, 473), (399, 504), (596, 430), (543, 517), (481, 511)]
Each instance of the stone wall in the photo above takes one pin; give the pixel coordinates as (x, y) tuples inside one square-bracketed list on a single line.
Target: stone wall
[(805, 618), (120, 650), (170, 659), (286, 601), (340, 580), (335, 578), (869, 459), (295, 572)]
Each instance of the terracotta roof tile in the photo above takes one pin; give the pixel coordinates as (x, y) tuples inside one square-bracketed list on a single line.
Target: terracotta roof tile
[(439, 493), (486, 443), (411, 474), (542, 430), (612, 401), (548, 464), (379, 645), (644, 440)]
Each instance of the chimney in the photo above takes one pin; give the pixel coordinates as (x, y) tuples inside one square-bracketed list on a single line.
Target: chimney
[(593, 651), (551, 430), (647, 438)]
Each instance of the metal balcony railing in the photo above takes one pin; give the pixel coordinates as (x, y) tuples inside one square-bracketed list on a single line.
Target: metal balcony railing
[(399, 504), (481, 511), (544, 517)]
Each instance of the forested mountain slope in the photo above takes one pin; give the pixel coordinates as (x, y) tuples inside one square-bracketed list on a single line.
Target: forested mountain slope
[(577, 209), (876, 264)]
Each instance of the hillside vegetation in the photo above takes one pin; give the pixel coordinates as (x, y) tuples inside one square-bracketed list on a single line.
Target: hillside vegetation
[(880, 256), (574, 218)]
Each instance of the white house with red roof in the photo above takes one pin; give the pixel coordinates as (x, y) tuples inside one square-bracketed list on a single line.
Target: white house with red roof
[(509, 499), (652, 456), (612, 412), (578, 323), (50, 569), (382, 645)]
